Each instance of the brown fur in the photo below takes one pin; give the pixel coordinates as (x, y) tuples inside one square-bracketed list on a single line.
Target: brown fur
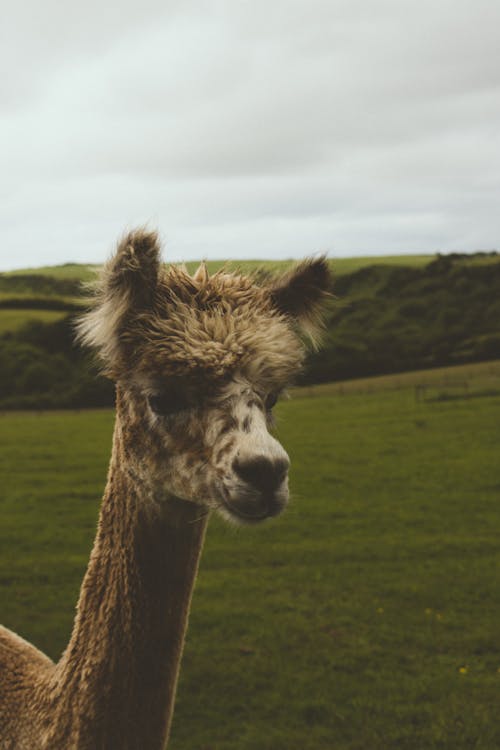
[(226, 342)]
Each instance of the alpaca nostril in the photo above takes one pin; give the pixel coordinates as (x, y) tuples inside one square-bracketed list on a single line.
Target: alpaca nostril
[(261, 472)]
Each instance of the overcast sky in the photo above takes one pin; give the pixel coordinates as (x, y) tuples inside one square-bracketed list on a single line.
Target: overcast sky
[(249, 129)]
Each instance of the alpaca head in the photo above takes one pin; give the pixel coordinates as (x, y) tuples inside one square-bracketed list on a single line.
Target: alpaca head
[(199, 363)]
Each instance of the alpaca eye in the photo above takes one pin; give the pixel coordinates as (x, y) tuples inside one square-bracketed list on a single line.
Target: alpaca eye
[(168, 403), (271, 401)]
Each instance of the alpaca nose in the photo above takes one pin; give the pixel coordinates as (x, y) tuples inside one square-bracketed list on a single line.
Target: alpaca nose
[(264, 474)]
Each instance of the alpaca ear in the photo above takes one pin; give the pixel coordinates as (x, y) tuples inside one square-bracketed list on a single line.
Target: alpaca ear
[(133, 269), (127, 284), (302, 294)]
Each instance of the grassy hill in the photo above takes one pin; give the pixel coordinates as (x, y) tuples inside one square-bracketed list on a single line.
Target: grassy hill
[(12, 320), (85, 272), (45, 288), (392, 319), (366, 617), (397, 315), (60, 287), (72, 271)]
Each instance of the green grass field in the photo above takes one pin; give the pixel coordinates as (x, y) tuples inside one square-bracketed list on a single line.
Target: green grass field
[(366, 618)]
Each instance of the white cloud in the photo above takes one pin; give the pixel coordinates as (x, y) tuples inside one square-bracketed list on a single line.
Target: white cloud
[(250, 128)]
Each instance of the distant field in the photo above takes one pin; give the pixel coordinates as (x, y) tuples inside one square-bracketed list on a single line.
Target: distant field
[(26, 298), (12, 320), (81, 271), (460, 381), (86, 272), (58, 283), (340, 265), (366, 618)]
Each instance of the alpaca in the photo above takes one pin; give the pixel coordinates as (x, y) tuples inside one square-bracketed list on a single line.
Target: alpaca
[(198, 362)]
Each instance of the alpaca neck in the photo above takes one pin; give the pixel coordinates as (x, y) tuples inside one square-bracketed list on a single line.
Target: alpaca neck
[(115, 684)]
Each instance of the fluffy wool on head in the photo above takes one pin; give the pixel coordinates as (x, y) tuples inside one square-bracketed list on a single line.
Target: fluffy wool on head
[(148, 322)]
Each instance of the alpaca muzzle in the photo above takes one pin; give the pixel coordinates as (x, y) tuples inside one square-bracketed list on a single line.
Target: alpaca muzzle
[(262, 488)]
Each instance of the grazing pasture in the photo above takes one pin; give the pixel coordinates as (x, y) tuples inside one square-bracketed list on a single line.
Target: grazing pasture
[(366, 618)]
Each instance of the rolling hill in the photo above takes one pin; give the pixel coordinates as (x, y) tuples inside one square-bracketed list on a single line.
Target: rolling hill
[(396, 314)]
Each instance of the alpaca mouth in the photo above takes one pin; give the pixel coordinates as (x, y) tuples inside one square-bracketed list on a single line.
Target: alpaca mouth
[(254, 511), (243, 515)]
